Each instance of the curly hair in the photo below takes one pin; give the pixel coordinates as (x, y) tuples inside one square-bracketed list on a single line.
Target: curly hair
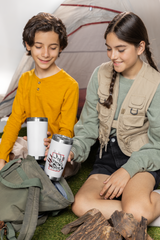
[(44, 22)]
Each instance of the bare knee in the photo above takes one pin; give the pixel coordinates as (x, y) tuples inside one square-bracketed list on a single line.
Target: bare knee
[(138, 210), (80, 205), (87, 196)]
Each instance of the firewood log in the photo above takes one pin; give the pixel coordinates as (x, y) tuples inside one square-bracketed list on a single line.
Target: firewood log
[(124, 223), (71, 227), (93, 225), (108, 233), (89, 229), (140, 232)]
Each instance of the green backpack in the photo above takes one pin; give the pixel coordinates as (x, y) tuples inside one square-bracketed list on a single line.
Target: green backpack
[(26, 193)]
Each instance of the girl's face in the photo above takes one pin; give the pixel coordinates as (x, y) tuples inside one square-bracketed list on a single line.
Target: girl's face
[(125, 56), (45, 50)]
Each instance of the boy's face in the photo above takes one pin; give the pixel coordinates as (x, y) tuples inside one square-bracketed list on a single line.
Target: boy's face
[(45, 50)]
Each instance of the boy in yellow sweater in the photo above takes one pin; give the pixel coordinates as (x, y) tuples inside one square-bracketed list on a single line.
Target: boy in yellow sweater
[(47, 90)]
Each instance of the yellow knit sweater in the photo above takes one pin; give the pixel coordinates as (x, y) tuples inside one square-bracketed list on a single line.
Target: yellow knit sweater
[(54, 97)]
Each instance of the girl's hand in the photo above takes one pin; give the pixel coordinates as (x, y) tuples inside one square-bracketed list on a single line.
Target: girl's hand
[(115, 184), (2, 163), (70, 157)]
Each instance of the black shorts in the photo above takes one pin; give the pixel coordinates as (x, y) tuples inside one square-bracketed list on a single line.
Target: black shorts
[(113, 159)]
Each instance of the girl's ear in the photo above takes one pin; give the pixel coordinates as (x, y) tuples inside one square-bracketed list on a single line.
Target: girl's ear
[(141, 47), (27, 46)]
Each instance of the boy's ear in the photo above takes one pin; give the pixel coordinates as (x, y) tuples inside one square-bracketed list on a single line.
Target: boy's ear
[(27, 46), (60, 50), (141, 47)]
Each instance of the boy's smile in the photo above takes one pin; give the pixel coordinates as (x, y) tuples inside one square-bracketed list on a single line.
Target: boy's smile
[(45, 51)]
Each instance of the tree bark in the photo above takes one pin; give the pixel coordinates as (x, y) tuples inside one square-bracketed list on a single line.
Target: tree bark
[(124, 223), (89, 229), (71, 227), (93, 225)]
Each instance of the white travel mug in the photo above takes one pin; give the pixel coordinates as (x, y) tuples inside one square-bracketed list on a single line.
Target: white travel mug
[(36, 132), (57, 156)]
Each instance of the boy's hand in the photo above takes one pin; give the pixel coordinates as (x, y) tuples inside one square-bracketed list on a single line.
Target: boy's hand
[(47, 142), (46, 152), (2, 163), (25, 138), (115, 184), (70, 157)]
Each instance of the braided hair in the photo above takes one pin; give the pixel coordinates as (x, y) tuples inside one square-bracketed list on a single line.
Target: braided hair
[(130, 28)]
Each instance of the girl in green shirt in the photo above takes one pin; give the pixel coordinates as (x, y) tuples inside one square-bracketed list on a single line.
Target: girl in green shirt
[(111, 186)]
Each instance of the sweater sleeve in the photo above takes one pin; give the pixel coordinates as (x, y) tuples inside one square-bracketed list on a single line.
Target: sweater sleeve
[(86, 129), (13, 125), (148, 157), (69, 110)]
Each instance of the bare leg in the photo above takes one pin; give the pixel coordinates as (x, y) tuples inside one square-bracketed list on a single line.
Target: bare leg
[(139, 199), (88, 197)]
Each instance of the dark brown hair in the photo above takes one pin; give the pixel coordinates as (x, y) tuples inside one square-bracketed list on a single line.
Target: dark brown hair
[(130, 28), (44, 22)]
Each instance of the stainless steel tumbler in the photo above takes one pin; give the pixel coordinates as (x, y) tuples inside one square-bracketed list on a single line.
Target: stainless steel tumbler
[(36, 132), (57, 156)]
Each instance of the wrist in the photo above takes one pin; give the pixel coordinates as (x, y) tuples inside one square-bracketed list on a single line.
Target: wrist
[(2, 163)]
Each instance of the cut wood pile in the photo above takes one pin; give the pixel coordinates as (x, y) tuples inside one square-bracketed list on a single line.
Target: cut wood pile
[(94, 226)]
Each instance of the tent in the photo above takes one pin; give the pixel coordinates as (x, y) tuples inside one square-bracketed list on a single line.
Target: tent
[(86, 21)]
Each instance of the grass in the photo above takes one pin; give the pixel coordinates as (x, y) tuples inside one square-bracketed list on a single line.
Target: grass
[(51, 229)]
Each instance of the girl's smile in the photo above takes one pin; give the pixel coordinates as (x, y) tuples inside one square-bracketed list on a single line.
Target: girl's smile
[(125, 56), (116, 63)]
